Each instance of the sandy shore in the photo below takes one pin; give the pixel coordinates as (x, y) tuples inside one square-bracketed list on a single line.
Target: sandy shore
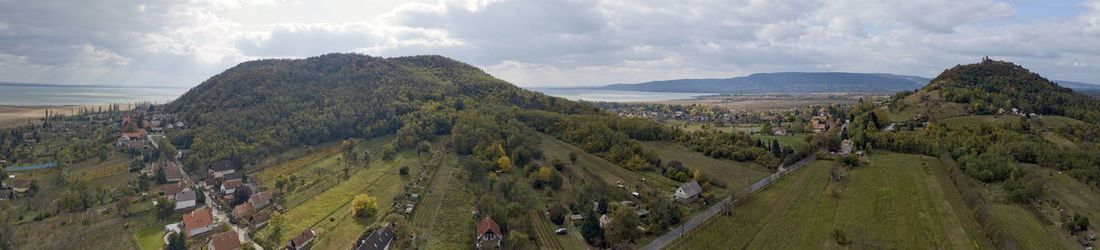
[(13, 116)]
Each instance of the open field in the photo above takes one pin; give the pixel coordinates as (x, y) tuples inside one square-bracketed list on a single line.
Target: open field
[(1035, 226), (771, 101), (784, 140), (895, 202), (735, 174), (608, 172), (443, 211), (328, 212), (1046, 121)]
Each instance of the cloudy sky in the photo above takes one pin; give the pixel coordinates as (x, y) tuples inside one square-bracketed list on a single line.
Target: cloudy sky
[(543, 43)]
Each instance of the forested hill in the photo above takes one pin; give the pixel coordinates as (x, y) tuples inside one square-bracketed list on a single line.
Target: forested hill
[(262, 107), (990, 85), (784, 82)]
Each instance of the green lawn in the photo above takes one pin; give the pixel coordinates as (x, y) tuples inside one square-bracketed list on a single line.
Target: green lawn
[(895, 202), (784, 140), (151, 237)]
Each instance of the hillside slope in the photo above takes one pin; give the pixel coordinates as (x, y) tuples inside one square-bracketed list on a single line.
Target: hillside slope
[(267, 106), (784, 82), (991, 85)]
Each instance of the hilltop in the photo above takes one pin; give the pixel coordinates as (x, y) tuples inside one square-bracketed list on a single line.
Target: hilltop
[(267, 106), (812, 82), (989, 86)]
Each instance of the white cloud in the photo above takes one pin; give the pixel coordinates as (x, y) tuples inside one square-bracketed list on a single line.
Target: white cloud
[(539, 42)]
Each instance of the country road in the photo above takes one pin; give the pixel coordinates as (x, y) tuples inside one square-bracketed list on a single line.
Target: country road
[(710, 212)]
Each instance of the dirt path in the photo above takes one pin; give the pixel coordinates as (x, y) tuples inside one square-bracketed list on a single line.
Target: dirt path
[(544, 232)]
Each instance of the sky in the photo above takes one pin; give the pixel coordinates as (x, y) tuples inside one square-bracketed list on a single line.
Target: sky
[(545, 43)]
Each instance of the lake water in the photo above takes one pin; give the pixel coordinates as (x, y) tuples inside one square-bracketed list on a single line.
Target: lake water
[(616, 95), (73, 95)]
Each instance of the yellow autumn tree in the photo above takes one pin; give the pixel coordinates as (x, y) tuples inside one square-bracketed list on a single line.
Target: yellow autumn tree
[(504, 163), (363, 205), (544, 174)]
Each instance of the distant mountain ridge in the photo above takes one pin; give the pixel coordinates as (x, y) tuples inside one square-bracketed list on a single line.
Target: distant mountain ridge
[(781, 82), (784, 82)]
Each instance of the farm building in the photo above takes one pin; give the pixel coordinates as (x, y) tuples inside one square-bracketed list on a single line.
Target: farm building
[(302, 240), (688, 192), (489, 235)]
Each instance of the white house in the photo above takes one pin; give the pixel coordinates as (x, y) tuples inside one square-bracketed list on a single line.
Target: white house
[(186, 200), (198, 222), (688, 192)]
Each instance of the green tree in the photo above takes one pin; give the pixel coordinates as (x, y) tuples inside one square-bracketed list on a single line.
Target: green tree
[(767, 128), (176, 241), (363, 205), (590, 228), (573, 157), (164, 207), (623, 226), (277, 224), (160, 177)]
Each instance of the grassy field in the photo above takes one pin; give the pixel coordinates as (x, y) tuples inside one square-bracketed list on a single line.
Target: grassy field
[(1050, 121), (895, 202), (328, 212), (443, 211), (608, 172), (784, 140), (151, 237), (1035, 226), (735, 174)]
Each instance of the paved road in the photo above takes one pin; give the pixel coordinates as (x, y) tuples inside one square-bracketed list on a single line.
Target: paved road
[(220, 216), (713, 210)]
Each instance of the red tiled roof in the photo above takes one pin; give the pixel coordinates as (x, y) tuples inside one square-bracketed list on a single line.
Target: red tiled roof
[(175, 188), (226, 240), (197, 219), (487, 225), (242, 209)]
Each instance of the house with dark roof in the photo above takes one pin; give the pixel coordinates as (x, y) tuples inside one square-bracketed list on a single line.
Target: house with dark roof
[(688, 192), (224, 241), (259, 220), (172, 173), (221, 168), (230, 186), (380, 239), (259, 200), (489, 235), (175, 188), (186, 200), (233, 176), (302, 240), (198, 222)]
